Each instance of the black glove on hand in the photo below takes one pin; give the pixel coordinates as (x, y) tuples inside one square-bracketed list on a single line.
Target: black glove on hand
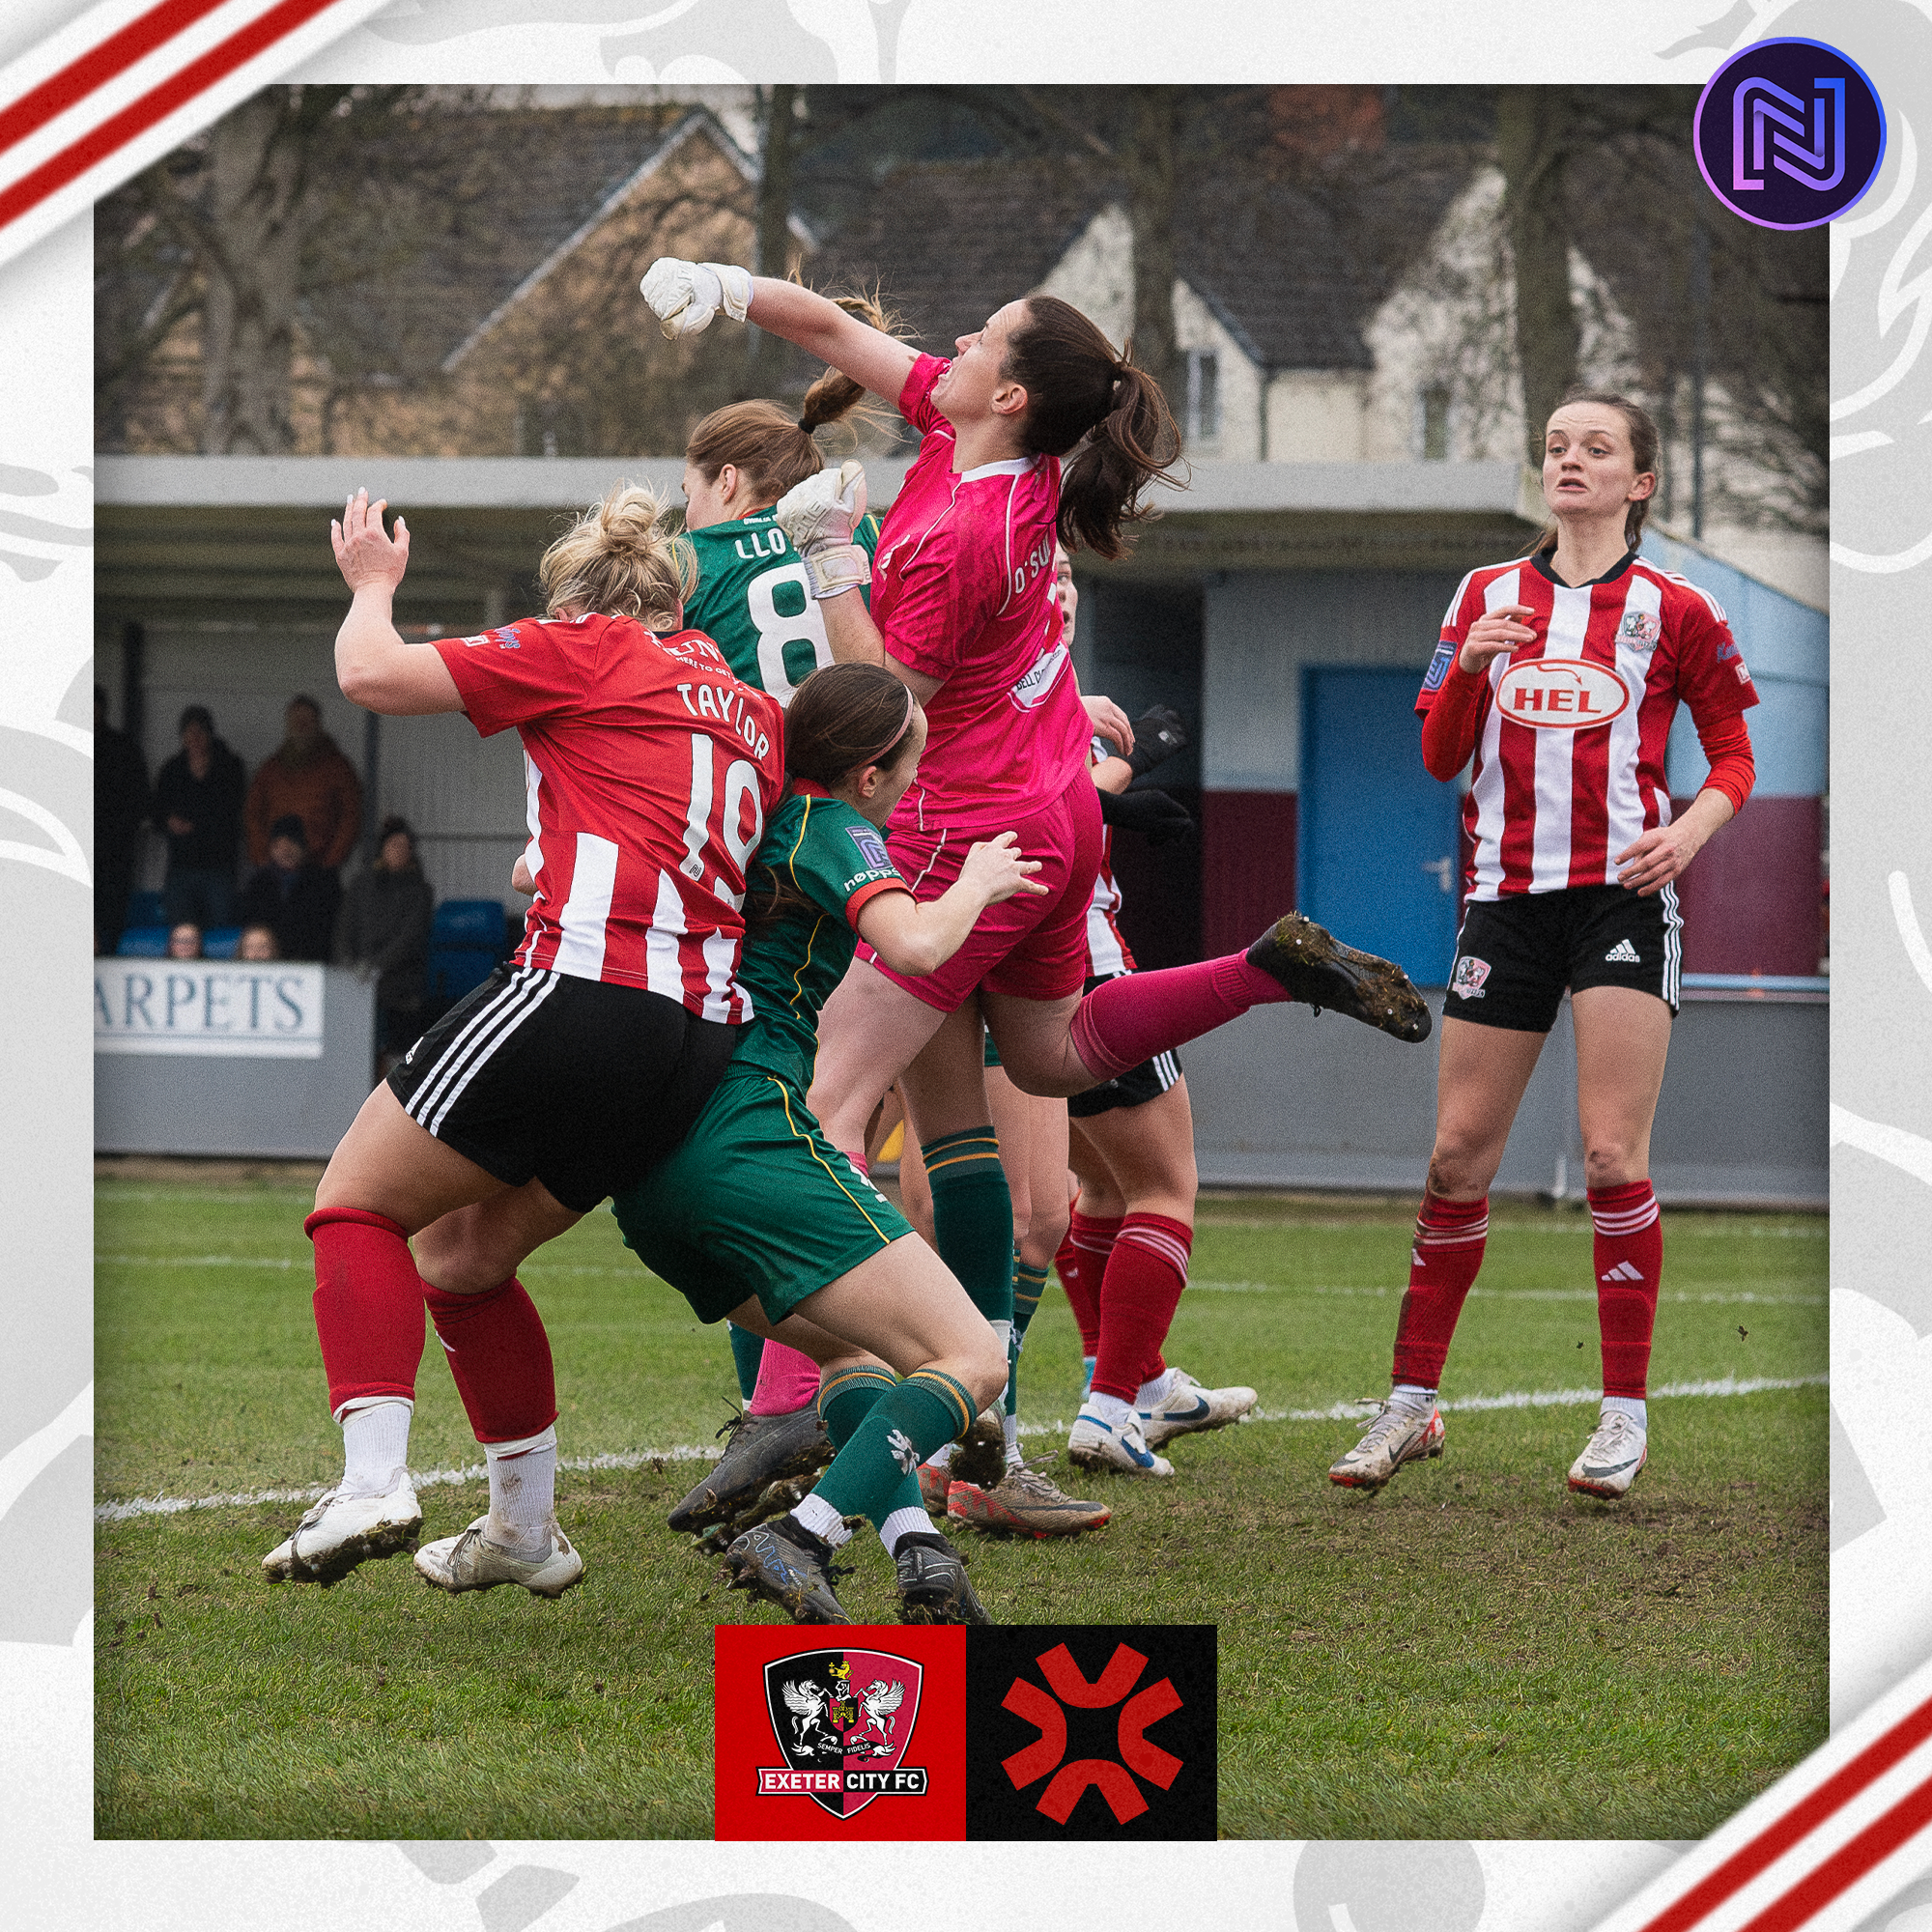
[(1150, 812), (1158, 733)]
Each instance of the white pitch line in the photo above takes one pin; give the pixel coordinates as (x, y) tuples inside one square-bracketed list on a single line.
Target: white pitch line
[(1343, 1411), (636, 1458), (1589, 1294)]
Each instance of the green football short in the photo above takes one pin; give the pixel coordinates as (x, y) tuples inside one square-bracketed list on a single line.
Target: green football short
[(755, 1202)]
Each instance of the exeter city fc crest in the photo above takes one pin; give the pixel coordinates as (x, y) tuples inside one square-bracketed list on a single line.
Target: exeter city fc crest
[(1467, 980), (842, 1720)]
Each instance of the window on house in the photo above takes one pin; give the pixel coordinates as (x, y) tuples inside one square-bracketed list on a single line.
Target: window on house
[(1435, 423), (1203, 395)]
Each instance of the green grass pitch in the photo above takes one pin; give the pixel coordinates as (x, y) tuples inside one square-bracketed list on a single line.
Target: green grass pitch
[(1475, 1653)]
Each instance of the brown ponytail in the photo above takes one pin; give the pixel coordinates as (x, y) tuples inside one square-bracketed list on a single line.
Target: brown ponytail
[(846, 716), (1079, 394), (1644, 447), (769, 448)]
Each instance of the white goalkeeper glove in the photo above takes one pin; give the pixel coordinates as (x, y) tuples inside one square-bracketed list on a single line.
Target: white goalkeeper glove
[(819, 516), (686, 295)]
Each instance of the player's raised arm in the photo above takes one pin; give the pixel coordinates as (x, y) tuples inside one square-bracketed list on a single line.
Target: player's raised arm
[(373, 664), (685, 295)]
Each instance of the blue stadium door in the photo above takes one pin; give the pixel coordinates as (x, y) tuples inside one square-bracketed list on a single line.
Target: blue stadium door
[(1379, 838)]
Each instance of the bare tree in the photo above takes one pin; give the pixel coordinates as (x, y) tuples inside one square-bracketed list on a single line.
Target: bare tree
[(1533, 148)]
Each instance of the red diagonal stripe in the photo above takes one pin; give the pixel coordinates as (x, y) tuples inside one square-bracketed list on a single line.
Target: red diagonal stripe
[(115, 133), (99, 64), (1777, 1837), (1849, 1863)]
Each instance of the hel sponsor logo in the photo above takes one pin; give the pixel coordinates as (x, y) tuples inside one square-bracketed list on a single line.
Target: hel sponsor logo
[(1466, 982), (842, 1720), (1641, 628), (1438, 665), (871, 848), (1561, 694), (1039, 680)]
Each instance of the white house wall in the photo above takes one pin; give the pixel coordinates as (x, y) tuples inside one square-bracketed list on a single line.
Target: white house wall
[(1314, 415)]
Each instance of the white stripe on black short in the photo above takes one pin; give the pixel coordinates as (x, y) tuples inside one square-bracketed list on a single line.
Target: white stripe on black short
[(485, 1032), (1673, 945), (1166, 1069)]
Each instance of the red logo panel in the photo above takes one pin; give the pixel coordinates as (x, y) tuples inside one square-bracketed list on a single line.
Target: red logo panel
[(851, 1734)]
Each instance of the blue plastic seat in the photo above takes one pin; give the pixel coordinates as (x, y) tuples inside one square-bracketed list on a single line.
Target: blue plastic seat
[(221, 942), (143, 942), (465, 943)]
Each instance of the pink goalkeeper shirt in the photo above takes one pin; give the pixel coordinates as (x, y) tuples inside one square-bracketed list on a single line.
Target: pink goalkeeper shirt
[(962, 590)]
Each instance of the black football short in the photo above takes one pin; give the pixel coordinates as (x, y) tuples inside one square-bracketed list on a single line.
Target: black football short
[(1134, 1087), (1515, 956), (576, 1083)]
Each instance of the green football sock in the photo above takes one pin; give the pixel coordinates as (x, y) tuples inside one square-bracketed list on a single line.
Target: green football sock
[(746, 1351), (847, 1400), (1029, 1284), (877, 1470), (973, 1216)]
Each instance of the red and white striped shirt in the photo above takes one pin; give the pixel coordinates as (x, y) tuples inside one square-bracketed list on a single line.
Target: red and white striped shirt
[(648, 770), (1571, 729), (1107, 953)]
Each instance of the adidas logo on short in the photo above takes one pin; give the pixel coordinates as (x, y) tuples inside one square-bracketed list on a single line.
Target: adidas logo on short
[(1623, 1271), (1623, 954)]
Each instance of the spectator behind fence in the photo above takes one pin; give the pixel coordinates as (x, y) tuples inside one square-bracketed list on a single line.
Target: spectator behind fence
[(383, 930), (198, 804), (306, 774), (292, 895), (184, 940), (121, 802), (257, 943)]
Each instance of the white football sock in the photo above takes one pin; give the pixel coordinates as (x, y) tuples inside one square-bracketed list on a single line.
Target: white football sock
[(1111, 1409), (904, 1523), (815, 1514), (1412, 1397), (375, 1445), (523, 1493), (1158, 1390), (1010, 1426), (1630, 1405), (941, 1457)]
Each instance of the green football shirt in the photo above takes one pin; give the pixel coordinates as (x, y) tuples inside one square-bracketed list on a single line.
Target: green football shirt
[(826, 862), (753, 604)]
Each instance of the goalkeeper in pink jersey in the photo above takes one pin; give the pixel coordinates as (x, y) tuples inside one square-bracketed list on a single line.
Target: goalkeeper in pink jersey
[(1035, 428)]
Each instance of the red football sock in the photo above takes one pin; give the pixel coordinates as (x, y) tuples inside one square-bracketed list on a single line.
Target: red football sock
[(1090, 1241), (501, 1358), (1442, 1264), (1124, 1021), (787, 1380), (368, 1305), (1138, 1295), (1630, 1259)]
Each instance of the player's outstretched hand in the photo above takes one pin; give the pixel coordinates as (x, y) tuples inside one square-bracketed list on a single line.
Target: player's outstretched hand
[(685, 295), (997, 871), (1110, 722), (1494, 633), (366, 555), (825, 508), (1158, 817), (1158, 734), (819, 516)]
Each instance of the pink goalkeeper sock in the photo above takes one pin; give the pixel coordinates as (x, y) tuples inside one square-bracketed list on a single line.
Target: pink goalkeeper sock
[(787, 1380), (1125, 1021)]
